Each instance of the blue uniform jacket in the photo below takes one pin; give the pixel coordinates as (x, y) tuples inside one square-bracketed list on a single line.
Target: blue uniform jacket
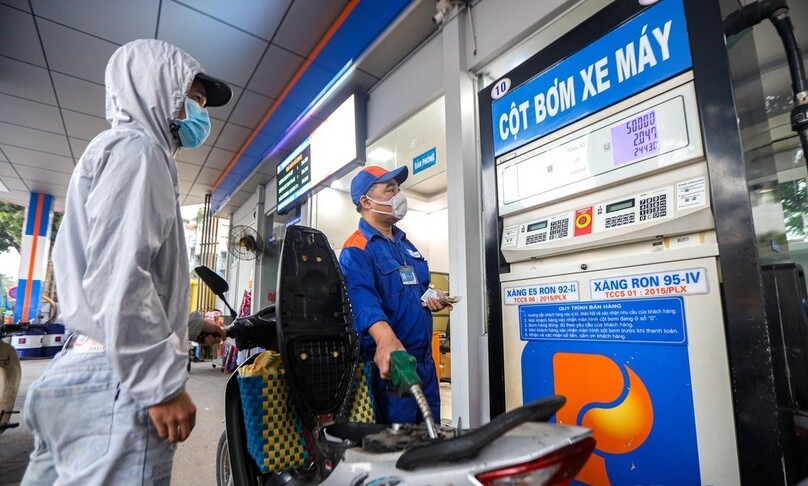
[(371, 264)]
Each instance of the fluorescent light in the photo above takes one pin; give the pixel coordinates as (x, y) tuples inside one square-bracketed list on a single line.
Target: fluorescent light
[(3, 187), (381, 155)]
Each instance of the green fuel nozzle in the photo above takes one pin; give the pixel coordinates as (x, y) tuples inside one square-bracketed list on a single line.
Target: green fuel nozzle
[(404, 378), (403, 372)]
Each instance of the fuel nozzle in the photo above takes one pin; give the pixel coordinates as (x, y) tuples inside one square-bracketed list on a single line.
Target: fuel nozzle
[(404, 378)]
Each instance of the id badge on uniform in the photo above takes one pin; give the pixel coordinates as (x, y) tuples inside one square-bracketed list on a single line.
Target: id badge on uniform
[(408, 276)]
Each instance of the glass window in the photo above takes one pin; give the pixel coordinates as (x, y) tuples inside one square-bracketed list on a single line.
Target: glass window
[(775, 162)]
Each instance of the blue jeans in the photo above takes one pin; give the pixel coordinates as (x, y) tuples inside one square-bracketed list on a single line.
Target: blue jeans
[(88, 430)]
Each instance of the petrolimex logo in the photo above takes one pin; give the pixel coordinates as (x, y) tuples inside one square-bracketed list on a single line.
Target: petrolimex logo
[(607, 397)]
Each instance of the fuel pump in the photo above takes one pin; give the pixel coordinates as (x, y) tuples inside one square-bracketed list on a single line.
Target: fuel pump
[(614, 270)]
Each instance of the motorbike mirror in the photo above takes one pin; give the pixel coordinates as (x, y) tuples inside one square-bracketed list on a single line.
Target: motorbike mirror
[(216, 284)]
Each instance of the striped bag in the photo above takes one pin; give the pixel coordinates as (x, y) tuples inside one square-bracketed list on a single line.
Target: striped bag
[(276, 438)]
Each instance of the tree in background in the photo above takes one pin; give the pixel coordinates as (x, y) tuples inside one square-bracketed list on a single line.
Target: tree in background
[(12, 217), (794, 197)]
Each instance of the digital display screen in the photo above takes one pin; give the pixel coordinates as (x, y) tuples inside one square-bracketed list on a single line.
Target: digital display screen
[(619, 206), (326, 153), (636, 138), (537, 226), (294, 176)]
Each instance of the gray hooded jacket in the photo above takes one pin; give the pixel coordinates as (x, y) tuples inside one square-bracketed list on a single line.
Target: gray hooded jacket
[(120, 260)]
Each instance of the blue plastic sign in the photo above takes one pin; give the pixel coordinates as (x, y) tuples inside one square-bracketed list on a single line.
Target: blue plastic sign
[(425, 160), (636, 396), (641, 53)]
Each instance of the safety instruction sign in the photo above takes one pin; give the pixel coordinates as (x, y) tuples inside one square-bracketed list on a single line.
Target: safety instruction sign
[(534, 294), (691, 281), (634, 320)]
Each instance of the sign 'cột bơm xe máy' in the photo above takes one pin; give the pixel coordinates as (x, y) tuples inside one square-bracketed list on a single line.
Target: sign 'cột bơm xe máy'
[(643, 52)]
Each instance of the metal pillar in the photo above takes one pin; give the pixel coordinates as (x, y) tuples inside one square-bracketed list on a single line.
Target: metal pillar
[(465, 228)]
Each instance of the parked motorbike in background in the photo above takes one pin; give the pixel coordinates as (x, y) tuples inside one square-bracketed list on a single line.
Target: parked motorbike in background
[(10, 373), (311, 329)]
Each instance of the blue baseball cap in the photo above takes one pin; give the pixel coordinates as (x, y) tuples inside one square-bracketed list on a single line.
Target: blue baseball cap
[(373, 174)]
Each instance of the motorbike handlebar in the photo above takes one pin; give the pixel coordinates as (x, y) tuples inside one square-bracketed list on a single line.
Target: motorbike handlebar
[(257, 330)]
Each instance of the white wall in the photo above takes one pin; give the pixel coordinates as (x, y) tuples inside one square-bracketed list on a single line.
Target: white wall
[(416, 225), (416, 82), (503, 24), (439, 241), (334, 214), (499, 25)]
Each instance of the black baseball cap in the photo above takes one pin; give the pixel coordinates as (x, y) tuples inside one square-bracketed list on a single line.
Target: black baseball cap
[(217, 92)]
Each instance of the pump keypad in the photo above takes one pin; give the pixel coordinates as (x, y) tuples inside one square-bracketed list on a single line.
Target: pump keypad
[(536, 238), (559, 229), (654, 207), (619, 220)]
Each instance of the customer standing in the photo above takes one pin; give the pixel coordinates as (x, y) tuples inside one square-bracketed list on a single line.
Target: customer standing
[(110, 408)]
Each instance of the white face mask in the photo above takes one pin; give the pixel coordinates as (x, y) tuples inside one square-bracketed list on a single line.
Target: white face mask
[(398, 203)]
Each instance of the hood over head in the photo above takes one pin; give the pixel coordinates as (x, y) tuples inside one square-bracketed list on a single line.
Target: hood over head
[(147, 82)]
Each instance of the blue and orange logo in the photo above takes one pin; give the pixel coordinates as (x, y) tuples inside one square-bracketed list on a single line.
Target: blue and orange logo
[(607, 397), (637, 397)]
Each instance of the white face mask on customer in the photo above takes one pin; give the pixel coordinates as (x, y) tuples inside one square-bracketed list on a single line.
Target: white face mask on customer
[(398, 203)]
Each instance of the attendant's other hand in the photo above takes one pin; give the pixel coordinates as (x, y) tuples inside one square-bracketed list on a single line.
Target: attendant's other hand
[(436, 305), (174, 419)]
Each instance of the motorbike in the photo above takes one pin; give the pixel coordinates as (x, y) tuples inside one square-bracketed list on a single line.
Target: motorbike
[(10, 373), (310, 328)]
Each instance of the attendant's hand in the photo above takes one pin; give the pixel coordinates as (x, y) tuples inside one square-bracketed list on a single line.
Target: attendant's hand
[(386, 343), (174, 419)]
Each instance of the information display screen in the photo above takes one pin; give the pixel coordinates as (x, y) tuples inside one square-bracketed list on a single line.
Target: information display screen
[(326, 153), (294, 176), (619, 206), (537, 226)]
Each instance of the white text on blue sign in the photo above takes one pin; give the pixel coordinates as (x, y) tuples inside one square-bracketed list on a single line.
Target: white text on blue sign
[(425, 160), (660, 321), (646, 50)]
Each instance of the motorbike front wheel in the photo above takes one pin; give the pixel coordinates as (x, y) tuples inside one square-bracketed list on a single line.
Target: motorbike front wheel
[(224, 474)]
